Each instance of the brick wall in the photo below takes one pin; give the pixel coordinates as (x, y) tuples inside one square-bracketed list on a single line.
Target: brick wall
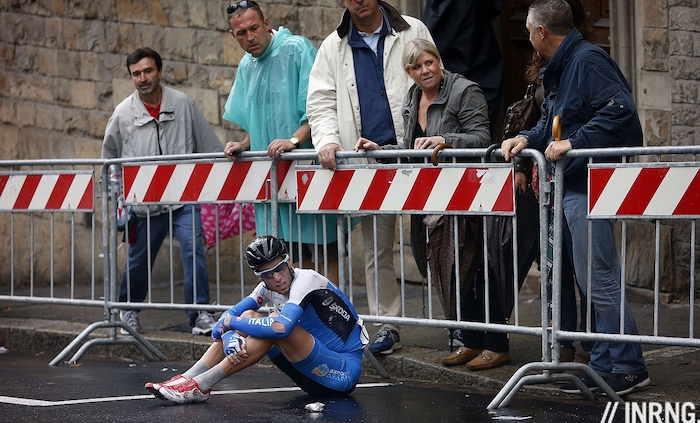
[(682, 54), (668, 62)]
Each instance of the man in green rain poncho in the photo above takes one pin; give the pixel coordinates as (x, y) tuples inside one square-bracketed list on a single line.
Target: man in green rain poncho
[(268, 100)]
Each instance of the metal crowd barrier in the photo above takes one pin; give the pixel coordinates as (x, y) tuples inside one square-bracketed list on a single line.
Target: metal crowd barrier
[(470, 184), (115, 200), (37, 199), (467, 184), (197, 179), (175, 180), (653, 188)]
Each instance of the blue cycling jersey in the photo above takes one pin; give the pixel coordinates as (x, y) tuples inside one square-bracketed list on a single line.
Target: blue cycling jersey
[(319, 307), (315, 304)]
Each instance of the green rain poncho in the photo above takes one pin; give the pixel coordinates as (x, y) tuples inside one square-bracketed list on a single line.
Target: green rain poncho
[(268, 100)]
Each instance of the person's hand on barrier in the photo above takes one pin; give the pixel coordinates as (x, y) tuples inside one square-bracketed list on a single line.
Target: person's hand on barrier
[(512, 146), (326, 155), (234, 347), (520, 181), (423, 143), (222, 325), (233, 148), (365, 144), (279, 146), (556, 150)]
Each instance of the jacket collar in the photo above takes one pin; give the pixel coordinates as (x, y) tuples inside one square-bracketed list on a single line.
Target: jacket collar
[(552, 72), (141, 115), (396, 21), (277, 38), (445, 86)]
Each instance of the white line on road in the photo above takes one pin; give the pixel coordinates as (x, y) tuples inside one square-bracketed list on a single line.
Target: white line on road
[(42, 403)]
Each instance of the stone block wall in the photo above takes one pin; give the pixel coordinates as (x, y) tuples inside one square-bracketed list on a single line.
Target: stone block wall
[(62, 72), (669, 64), (63, 62), (668, 96)]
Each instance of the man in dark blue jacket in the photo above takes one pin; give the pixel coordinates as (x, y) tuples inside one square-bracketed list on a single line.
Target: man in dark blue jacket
[(595, 104)]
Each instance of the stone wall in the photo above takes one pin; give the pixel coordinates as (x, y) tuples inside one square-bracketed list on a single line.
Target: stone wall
[(63, 68), (62, 72), (669, 71), (668, 97)]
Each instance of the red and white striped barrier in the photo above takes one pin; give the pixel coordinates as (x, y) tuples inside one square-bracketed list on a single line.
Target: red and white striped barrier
[(431, 190), (240, 181), (644, 191), (64, 191)]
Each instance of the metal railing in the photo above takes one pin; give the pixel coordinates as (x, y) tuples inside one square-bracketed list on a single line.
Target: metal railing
[(649, 189), (277, 184), (145, 185), (39, 198)]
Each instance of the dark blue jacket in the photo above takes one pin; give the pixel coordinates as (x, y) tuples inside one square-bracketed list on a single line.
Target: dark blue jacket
[(594, 102)]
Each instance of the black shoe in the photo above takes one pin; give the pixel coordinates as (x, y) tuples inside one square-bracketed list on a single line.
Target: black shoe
[(572, 388), (624, 383)]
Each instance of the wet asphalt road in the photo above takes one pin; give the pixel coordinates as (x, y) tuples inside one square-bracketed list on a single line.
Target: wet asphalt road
[(111, 390)]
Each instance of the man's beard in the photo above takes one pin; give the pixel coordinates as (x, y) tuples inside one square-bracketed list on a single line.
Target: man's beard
[(146, 91)]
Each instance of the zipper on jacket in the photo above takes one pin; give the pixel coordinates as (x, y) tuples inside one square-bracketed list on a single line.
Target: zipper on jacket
[(160, 149)]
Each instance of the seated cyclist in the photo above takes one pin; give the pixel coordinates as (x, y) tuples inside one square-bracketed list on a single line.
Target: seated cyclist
[(314, 336)]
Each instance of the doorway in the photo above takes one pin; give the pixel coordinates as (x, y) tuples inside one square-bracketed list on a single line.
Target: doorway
[(517, 50)]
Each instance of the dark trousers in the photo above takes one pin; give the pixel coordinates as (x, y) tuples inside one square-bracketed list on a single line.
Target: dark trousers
[(473, 310)]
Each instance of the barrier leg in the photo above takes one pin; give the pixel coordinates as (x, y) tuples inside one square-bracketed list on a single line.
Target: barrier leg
[(520, 378), (105, 341), (150, 351), (375, 363)]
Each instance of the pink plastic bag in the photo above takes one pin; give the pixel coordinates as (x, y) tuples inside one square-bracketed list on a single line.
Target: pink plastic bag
[(229, 215)]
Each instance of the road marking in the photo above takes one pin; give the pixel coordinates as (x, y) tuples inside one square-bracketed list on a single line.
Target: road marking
[(42, 403)]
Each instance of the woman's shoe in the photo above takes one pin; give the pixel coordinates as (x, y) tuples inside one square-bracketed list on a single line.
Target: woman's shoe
[(488, 360), (462, 356)]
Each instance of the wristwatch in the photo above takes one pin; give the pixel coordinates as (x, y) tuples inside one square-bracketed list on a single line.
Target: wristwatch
[(295, 141), (527, 139)]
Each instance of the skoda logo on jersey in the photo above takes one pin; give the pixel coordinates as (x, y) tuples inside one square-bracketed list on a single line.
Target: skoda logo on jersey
[(327, 301), (340, 310)]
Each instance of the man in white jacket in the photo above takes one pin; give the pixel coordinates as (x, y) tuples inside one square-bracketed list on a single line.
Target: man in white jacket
[(356, 89)]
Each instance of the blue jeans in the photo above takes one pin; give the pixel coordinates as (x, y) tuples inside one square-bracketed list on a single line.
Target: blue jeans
[(182, 230), (570, 308), (606, 357)]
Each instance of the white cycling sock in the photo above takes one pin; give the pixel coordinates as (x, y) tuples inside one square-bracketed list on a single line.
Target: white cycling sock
[(209, 378), (197, 369)]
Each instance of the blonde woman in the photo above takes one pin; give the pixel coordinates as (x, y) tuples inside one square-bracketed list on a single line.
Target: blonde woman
[(443, 107)]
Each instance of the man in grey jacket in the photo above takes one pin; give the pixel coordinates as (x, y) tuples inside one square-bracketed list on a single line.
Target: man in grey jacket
[(154, 121)]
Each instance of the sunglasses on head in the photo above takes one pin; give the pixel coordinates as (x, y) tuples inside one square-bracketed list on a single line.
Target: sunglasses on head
[(245, 4), (266, 274)]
